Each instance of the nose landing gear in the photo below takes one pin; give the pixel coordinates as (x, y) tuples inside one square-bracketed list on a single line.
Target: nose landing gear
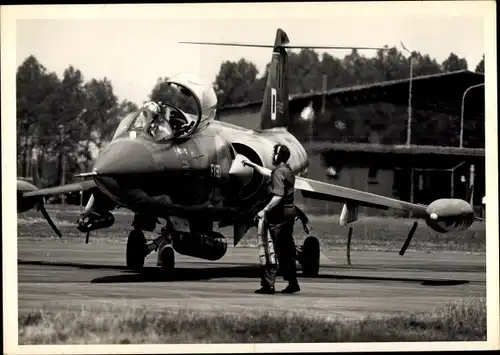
[(166, 255), (138, 250)]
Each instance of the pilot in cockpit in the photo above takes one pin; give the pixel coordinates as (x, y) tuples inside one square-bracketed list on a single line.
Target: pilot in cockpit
[(159, 127), (189, 105)]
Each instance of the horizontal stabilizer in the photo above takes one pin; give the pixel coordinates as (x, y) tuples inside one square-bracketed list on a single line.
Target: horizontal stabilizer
[(281, 41), (251, 45), (231, 44), (332, 47)]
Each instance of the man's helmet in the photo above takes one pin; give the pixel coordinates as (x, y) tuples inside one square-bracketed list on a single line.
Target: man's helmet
[(153, 107), (281, 154)]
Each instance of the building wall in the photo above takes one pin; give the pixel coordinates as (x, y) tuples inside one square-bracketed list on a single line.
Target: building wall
[(355, 174)]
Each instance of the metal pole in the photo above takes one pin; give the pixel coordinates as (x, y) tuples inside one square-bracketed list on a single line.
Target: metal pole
[(452, 170), (462, 113), (323, 103), (63, 163), (471, 184), (452, 183), (412, 185), (408, 128)]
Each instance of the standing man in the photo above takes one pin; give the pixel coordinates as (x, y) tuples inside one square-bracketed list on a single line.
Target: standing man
[(280, 216)]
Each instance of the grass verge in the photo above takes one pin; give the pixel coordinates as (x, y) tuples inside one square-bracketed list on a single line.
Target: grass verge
[(464, 321)]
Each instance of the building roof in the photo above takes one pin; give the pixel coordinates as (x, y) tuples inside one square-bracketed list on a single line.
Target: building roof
[(393, 149), (437, 92), (390, 156)]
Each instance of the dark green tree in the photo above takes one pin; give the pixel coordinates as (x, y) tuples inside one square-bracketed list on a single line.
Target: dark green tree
[(454, 63), (58, 119), (236, 82), (36, 95), (480, 66)]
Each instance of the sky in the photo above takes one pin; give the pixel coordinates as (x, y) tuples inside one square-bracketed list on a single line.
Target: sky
[(134, 52)]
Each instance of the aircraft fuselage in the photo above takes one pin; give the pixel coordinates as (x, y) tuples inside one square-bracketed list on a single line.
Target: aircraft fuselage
[(189, 177)]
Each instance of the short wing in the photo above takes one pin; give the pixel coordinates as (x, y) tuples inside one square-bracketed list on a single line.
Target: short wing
[(77, 186), (328, 192)]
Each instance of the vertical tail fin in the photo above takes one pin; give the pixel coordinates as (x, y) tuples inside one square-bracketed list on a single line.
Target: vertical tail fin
[(274, 111)]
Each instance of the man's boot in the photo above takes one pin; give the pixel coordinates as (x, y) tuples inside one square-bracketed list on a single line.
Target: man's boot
[(266, 290), (291, 288)]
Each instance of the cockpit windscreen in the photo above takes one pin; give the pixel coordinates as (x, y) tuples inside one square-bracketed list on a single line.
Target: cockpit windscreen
[(183, 99)]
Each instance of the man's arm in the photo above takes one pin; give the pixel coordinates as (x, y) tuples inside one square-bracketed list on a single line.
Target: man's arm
[(303, 218), (260, 169), (273, 203)]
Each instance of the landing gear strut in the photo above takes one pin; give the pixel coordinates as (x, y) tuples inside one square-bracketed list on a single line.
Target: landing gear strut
[(308, 256), (166, 255)]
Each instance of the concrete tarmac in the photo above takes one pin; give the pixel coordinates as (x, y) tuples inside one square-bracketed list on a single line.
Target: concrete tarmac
[(57, 275)]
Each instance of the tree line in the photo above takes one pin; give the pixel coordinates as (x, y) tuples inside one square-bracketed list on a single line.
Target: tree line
[(62, 120), (239, 82)]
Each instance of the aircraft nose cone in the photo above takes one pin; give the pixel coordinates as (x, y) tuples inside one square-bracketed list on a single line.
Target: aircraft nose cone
[(124, 157)]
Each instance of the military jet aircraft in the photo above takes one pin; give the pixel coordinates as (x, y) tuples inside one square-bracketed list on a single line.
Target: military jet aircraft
[(174, 161)]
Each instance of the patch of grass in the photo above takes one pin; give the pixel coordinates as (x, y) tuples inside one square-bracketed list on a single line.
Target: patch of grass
[(370, 233), (465, 321)]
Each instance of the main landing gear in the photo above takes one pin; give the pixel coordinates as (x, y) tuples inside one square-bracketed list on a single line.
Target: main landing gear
[(308, 255), (138, 250)]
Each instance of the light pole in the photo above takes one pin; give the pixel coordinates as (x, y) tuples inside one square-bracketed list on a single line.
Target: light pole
[(408, 126), (462, 113)]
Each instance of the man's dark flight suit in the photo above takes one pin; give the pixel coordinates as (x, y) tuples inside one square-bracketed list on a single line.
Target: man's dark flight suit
[(280, 220)]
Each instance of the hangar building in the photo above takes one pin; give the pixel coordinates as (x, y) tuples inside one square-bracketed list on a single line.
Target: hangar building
[(414, 173)]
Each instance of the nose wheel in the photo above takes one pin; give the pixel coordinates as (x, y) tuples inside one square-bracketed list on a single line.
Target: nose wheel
[(166, 256), (136, 250)]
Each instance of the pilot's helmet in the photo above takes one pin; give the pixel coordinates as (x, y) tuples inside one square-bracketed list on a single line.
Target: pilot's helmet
[(153, 107), (204, 93)]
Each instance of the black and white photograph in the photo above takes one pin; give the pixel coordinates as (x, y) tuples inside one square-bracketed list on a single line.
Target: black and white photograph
[(250, 177)]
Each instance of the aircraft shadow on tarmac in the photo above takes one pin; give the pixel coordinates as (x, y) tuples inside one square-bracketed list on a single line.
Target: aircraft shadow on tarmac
[(252, 271)]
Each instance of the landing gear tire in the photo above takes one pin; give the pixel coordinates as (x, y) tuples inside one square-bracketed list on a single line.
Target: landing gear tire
[(167, 258), (136, 250), (310, 257)]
